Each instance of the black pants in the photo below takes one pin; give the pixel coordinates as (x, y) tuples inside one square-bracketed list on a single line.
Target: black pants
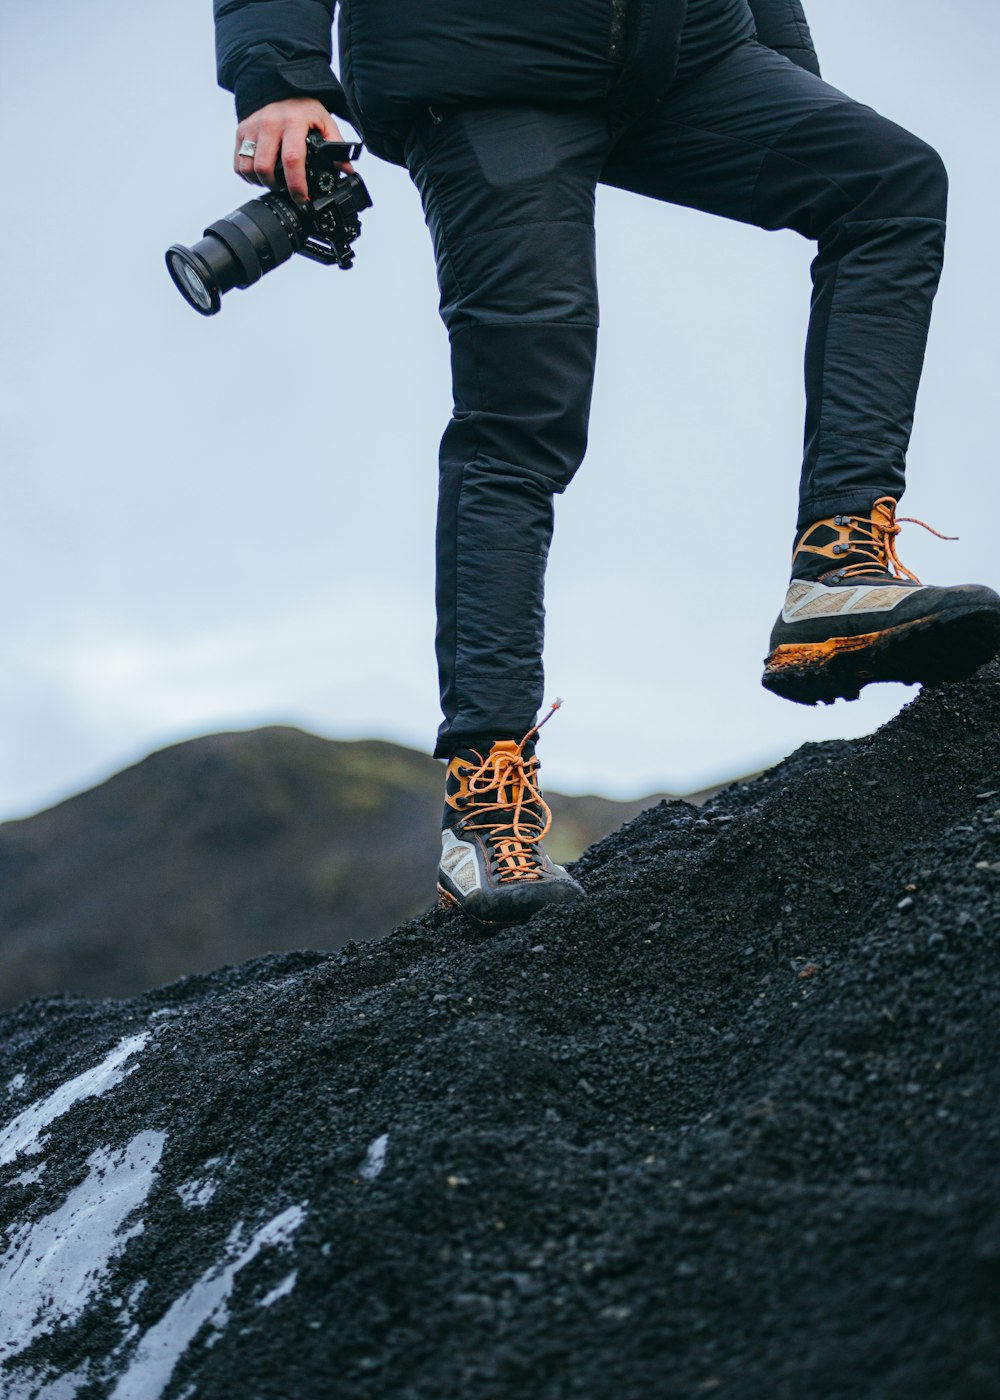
[(509, 199)]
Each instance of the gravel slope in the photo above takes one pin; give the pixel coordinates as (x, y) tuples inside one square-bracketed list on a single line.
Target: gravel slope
[(730, 1130), (227, 847)]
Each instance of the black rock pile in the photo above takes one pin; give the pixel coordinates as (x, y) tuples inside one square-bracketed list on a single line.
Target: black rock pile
[(730, 1130)]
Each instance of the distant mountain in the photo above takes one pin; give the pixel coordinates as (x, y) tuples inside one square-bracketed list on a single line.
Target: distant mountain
[(227, 847)]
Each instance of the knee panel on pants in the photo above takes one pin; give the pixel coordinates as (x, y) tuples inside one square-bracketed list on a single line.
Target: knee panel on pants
[(522, 398)]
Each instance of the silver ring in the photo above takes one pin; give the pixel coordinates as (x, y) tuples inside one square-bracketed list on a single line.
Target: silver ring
[(247, 148)]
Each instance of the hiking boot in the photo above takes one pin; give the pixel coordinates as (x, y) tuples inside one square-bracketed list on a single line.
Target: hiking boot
[(493, 865), (853, 614)]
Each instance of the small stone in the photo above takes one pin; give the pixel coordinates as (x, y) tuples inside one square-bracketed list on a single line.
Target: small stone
[(985, 796), (655, 928), (905, 904), (538, 948), (810, 970)]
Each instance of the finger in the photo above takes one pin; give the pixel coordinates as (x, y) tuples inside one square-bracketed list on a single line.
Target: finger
[(266, 157), (293, 163), (246, 131), (243, 165)]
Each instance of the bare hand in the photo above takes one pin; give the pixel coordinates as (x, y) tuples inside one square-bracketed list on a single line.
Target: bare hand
[(280, 131)]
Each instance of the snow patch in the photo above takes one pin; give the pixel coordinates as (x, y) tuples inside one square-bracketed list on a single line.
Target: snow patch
[(32, 1386), (280, 1289), (28, 1178), (200, 1189), (15, 1085), (205, 1302), (23, 1133), (196, 1193), (54, 1265), (374, 1161)]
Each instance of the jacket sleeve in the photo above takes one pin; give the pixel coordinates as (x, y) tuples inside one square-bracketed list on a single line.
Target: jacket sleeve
[(267, 50), (781, 25)]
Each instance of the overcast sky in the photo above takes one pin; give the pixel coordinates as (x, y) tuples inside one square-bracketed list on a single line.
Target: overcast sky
[(223, 523)]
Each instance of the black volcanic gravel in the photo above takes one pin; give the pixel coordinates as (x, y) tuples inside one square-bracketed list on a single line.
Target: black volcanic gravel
[(729, 1130)]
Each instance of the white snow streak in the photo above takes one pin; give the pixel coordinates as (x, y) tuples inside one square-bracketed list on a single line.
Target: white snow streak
[(54, 1265), (374, 1161), (165, 1342), (16, 1084), (23, 1133), (280, 1289)]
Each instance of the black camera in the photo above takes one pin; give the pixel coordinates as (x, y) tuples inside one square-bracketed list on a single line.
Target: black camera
[(236, 251)]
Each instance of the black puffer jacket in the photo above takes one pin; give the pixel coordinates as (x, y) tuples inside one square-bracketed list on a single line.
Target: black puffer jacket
[(398, 57)]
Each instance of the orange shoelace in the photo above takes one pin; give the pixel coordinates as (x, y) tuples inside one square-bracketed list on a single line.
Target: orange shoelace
[(514, 837), (880, 540)]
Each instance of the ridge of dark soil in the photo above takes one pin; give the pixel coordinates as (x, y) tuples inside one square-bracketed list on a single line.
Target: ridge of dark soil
[(728, 1129), (228, 847)]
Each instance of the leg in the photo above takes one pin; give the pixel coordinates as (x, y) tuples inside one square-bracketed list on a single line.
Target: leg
[(509, 199), (759, 140)]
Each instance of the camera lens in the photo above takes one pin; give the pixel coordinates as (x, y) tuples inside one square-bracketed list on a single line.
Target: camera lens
[(194, 282), (236, 251)]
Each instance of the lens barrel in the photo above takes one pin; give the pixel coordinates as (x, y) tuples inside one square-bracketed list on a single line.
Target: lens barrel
[(236, 251)]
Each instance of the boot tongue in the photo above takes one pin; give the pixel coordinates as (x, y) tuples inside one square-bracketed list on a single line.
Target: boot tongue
[(830, 547), (497, 754), (502, 749)]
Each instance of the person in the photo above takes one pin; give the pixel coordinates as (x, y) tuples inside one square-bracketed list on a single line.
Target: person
[(507, 117)]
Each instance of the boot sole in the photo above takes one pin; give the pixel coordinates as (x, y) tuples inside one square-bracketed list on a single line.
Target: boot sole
[(446, 900), (930, 649)]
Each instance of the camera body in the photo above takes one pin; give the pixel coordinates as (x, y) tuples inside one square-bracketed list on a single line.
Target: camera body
[(236, 251), (337, 200)]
